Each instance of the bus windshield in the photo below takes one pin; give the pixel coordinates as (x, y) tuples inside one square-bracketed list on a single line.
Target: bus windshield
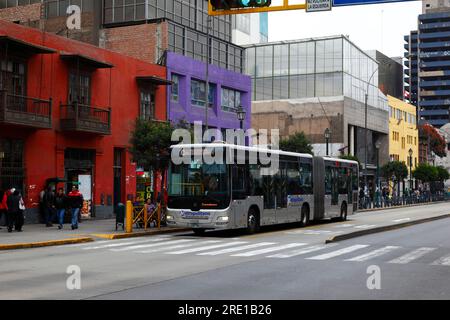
[(199, 186)]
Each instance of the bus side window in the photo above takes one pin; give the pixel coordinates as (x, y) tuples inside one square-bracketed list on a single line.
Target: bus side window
[(306, 178), (328, 179), (255, 181), (239, 183)]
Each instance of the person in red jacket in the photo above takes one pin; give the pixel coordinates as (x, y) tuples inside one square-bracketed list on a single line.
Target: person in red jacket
[(75, 199), (3, 204)]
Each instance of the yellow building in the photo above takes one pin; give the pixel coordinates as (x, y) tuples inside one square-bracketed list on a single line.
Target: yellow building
[(403, 132)]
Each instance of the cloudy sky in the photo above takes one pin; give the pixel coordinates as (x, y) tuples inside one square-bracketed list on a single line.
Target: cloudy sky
[(380, 26)]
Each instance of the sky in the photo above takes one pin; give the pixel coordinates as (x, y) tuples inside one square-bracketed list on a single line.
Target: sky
[(371, 27)]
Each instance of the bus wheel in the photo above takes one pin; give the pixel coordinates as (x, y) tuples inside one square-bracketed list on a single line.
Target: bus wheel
[(199, 232), (344, 212), (252, 221), (305, 216)]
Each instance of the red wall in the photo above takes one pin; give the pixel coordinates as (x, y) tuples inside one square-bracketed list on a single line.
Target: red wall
[(116, 88)]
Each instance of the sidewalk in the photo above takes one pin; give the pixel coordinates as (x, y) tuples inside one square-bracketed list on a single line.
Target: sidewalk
[(37, 235)]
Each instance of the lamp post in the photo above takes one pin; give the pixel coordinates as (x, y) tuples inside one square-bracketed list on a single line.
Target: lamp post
[(410, 169), (327, 139), (241, 115), (365, 127), (378, 146)]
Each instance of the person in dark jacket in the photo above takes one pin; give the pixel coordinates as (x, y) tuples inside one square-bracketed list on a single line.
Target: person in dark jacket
[(49, 207), (61, 206), (20, 216), (13, 203), (76, 203)]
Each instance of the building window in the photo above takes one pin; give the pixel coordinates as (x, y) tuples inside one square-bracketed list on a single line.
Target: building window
[(147, 105), (58, 8), (198, 93), (231, 100), (13, 76), (175, 88), (15, 3), (399, 115), (80, 91)]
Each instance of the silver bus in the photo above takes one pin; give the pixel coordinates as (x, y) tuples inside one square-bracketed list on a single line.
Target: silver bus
[(238, 192)]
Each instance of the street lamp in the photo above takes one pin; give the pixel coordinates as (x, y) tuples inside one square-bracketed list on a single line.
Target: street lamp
[(241, 114), (327, 139), (410, 169), (378, 146)]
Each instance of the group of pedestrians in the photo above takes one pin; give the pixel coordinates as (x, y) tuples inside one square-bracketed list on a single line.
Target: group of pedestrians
[(12, 207), (56, 205)]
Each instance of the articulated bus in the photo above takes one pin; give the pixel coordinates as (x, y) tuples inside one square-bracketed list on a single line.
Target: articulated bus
[(239, 193)]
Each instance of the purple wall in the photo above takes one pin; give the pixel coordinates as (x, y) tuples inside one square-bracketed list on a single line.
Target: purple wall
[(188, 68)]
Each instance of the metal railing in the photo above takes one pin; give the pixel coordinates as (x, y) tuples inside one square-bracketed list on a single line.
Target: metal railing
[(80, 117), (366, 203), (25, 110)]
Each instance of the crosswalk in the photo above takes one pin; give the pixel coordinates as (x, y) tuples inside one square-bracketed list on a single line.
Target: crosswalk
[(236, 248)]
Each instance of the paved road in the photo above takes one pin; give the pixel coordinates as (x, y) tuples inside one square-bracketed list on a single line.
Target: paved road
[(280, 263)]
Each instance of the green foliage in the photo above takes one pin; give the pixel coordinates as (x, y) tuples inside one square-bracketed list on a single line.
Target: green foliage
[(426, 173), (396, 168), (442, 174), (150, 144), (298, 143), (437, 142)]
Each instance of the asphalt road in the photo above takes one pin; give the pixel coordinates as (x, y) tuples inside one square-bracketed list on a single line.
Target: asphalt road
[(279, 263)]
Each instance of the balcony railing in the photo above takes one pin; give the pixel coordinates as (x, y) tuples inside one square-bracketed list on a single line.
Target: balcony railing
[(25, 111), (83, 118)]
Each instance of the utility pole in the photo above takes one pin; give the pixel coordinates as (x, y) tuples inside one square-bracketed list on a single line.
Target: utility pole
[(208, 54)]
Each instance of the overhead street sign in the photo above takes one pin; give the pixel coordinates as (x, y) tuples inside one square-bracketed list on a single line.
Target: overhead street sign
[(318, 5), (341, 3)]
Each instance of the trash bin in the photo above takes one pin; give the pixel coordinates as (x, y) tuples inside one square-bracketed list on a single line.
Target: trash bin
[(120, 216)]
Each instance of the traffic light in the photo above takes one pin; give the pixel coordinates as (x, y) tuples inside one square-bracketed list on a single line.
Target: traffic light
[(233, 4)]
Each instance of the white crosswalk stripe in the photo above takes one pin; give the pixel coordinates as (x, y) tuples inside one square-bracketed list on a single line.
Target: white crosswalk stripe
[(267, 250), (120, 244), (340, 252), (373, 254), (230, 250), (413, 255), (180, 246), (444, 261), (142, 246), (302, 251), (365, 226), (230, 244)]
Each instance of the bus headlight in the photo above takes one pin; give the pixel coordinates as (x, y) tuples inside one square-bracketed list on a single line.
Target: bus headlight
[(169, 218), (223, 219)]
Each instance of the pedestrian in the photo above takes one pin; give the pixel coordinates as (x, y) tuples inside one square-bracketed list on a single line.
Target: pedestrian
[(42, 211), (61, 206), (49, 207), (4, 205), (76, 203), (13, 203), (2, 209), (20, 217)]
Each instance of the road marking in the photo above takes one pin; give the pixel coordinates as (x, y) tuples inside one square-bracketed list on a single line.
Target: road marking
[(208, 247), (365, 226), (312, 232), (411, 256), (181, 246), (344, 226), (141, 246), (339, 252), (373, 254), (120, 244), (444, 261), (230, 250), (302, 251), (402, 220), (267, 250), (84, 244)]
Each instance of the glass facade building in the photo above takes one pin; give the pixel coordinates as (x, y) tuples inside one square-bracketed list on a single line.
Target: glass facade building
[(316, 67)]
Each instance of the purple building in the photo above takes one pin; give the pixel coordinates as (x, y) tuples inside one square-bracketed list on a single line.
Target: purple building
[(187, 95)]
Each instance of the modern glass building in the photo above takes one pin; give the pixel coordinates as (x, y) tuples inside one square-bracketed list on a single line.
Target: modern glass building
[(316, 67), (428, 67)]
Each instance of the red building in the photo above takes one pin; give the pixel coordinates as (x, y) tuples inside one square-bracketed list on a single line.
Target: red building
[(66, 111)]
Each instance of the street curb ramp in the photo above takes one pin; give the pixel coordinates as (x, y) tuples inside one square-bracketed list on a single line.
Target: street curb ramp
[(360, 233), (138, 234), (51, 243)]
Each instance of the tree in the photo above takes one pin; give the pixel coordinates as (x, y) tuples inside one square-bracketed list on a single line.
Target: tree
[(437, 142), (426, 173), (442, 174), (298, 143), (396, 168), (150, 144)]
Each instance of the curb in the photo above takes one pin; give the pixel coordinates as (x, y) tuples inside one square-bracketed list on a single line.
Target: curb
[(383, 229), (401, 207), (139, 234), (50, 243)]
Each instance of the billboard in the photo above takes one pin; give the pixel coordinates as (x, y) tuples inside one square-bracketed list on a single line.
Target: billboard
[(342, 3)]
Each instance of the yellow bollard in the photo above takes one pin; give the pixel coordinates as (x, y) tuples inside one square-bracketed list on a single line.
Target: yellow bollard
[(129, 217)]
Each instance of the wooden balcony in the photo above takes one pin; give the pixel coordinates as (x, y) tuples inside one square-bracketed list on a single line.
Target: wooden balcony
[(25, 111), (82, 118)]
